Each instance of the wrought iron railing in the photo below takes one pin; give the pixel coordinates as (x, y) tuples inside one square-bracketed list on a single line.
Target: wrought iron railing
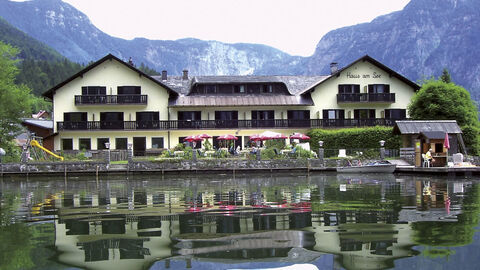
[(110, 99), (223, 124), (366, 97)]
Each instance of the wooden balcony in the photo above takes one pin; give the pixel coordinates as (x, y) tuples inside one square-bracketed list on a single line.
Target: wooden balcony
[(366, 97), (224, 124), (111, 100)]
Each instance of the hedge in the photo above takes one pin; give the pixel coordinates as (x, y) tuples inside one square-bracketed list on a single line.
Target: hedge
[(354, 138)]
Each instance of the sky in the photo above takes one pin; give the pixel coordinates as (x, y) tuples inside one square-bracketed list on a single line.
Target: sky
[(293, 26)]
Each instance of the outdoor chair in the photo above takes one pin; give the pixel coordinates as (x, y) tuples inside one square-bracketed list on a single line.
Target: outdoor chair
[(426, 162)]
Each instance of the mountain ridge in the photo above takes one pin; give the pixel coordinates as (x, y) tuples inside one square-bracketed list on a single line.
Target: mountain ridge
[(71, 33), (417, 42)]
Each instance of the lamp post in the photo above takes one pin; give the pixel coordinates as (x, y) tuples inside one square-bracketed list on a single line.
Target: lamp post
[(130, 152), (194, 151), (107, 146), (382, 149), (321, 151), (24, 157), (259, 155)]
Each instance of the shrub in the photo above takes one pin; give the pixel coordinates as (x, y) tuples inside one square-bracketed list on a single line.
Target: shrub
[(278, 144), (354, 138), (302, 153), (179, 147), (208, 146), (269, 153)]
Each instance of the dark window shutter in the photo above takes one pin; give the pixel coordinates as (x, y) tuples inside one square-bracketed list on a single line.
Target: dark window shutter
[(341, 114), (356, 114), (372, 113), (325, 114), (387, 88), (356, 88)]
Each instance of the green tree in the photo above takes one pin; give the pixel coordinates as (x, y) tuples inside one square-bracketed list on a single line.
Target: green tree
[(15, 100), (438, 100), (446, 78)]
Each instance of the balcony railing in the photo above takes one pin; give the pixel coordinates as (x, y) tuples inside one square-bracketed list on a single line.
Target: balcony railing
[(366, 97), (110, 99), (223, 124)]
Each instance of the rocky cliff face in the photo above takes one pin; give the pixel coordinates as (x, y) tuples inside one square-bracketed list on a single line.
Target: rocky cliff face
[(71, 33), (418, 42)]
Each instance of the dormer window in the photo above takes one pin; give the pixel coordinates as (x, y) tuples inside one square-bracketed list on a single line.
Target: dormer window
[(239, 88), (210, 89), (267, 88)]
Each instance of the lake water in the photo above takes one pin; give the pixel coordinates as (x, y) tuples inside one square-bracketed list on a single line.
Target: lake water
[(254, 221)]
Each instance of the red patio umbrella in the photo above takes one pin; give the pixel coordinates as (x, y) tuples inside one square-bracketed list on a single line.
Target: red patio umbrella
[(204, 136), (446, 142), (227, 137), (270, 135), (299, 136), (255, 137), (193, 138)]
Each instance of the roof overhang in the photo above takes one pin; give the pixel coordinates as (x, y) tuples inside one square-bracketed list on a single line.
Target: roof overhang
[(49, 94)]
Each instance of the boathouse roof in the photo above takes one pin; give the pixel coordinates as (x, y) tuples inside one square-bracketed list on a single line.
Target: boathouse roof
[(426, 126)]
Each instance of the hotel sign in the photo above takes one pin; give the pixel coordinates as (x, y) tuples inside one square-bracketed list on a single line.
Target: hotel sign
[(364, 76)]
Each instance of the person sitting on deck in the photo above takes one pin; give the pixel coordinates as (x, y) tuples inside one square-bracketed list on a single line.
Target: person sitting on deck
[(428, 155)]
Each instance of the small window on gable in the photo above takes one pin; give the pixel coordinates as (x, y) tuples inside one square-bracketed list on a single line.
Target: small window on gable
[(378, 88), (94, 90), (129, 90), (348, 88)]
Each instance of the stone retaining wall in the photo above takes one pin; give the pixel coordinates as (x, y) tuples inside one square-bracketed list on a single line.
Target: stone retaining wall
[(53, 167), (161, 165), (224, 164)]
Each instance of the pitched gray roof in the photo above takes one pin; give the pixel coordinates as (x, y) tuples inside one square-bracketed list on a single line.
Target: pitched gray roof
[(46, 124), (423, 126), (295, 84), (245, 100)]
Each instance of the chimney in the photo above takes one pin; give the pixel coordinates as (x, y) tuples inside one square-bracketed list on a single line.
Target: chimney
[(164, 75), (333, 67), (185, 74)]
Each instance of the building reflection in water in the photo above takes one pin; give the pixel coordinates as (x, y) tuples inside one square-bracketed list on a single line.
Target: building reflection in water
[(365, 222)]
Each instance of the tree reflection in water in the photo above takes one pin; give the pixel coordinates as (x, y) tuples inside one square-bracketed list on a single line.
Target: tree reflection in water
[(361, 221)]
